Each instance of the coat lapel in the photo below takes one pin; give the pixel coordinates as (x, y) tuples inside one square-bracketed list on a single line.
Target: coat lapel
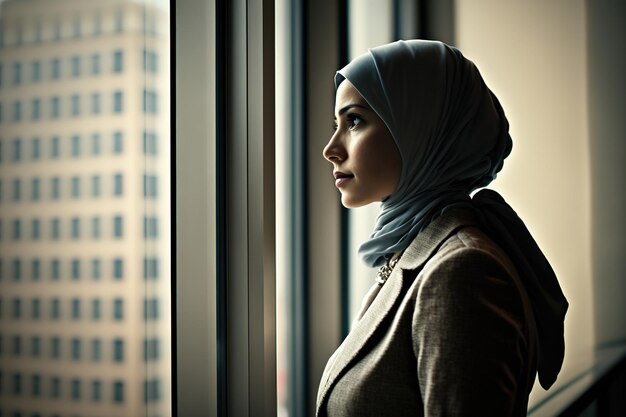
[(414, 257)]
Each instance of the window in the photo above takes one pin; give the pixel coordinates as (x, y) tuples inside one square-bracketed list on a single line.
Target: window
[(95, 64), (17, 229), (118, 392), (55, 387), (35, 189), (17, 149), (119, 22), (96, 350), (56, 309), (55, 347), (96, 269), (150, 186), (35, 71), (17, 73), (35, 308), (38, 32), (55, 107), (118, 268), (150, 102), (150, 61), (76, 349), (151, 349), (55, 147), (95, 103), (118, 227), (76, 27), (56, 229), (152, 390), (118, 350), (75, 146), (17, 384), (118, 142), (17, 189), (75, 66), (1, 75), (35, 385), (35, 229), (118, 185), (17, 308), (118, 61), (35, 269), (118, 309), (150, 227), (55, 269), (96, 390), (118, 97), (95, 228), (75, 389), (75, 187), (75, 105), (75, 269), (95, 186), (55, 188), (150, 143), (17, 111), (17, 346), (151, 268), (35, 346), (96, 147), (75, 228), (35, 106), (96, 312), (55, 68), (150, 309), (35, 145), (75, 309)]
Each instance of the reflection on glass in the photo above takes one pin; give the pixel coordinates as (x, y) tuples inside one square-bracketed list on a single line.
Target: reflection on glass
[(84, 208)]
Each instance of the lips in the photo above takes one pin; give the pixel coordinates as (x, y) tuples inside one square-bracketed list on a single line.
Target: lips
[(341, 178)]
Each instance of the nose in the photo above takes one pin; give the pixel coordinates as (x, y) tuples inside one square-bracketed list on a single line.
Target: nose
[(334, 150)]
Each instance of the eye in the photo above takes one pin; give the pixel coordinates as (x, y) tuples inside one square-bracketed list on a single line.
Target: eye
[(354, 120)]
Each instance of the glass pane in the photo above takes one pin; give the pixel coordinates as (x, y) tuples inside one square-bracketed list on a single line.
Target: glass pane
[(85, 208)]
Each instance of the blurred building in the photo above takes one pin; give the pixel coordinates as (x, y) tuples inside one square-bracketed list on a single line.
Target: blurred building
[(84, 209)]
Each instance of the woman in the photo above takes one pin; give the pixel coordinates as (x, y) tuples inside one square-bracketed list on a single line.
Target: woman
[(466, 310)]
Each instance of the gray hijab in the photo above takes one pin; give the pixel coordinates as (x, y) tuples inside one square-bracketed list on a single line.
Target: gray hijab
[(453, 137)]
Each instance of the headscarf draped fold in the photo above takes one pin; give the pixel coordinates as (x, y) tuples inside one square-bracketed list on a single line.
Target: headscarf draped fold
[(453, 137)]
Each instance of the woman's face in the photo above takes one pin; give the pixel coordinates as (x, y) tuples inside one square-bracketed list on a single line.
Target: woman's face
[(365, 158)]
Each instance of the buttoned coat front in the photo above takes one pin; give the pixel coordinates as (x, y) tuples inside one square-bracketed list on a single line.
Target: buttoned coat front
[(450, 333)]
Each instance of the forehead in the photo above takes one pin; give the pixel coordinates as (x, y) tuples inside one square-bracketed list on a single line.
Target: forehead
[(347, 94)]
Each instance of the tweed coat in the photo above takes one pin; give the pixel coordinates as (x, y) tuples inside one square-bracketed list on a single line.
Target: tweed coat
[(451, 333)]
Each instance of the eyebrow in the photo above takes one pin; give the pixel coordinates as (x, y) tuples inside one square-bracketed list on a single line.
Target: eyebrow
[(349, 106)]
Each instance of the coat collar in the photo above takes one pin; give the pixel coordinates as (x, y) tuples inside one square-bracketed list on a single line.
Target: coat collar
[(414, 257)]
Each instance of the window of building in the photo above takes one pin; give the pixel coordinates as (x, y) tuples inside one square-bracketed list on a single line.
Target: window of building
[(35, 308), (150, 186), (76, 349), (19, 35), (1, 75), (118, 309), (55, 312), (38, 32), (55, 387), (118, 185), (95, 228), (96, 350), (75, 187), (152, 390), (118, 61), (55, 68), (55, 228), (55, 347), (150, 61), (35, 146), (17, 189), (95, 186), (75, 269), (55, 107), (96, 269), (118, 269), (35, 106), (150, 309), (17, 149), (151, 268), (17, 229), (75, 66), (95, 103), (151, 349), (75, 228), (55, 269), (150, 143), (35, 67), (118, 142), (118, 350), (76, 27), (150, 102), (95, 64), (17, 73), (17, 346), (35, 346), (150, 227), (35, 385), (97, 24), (17, 384), (55, 147), (118, 392), (75, 392), (118, 24), (35, 269), (75, 105), (55, 188), (118, 227), (16, 267), (17, 308), (118, 97), (96, 390), (17, 111), (96, 312), (35, 228), (75, 146), (96, 146), (35, 189)]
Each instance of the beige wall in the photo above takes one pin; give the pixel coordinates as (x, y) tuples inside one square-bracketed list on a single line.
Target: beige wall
[(533, 56)]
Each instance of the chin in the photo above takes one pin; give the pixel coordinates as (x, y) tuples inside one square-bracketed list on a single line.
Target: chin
[(351, 203)]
